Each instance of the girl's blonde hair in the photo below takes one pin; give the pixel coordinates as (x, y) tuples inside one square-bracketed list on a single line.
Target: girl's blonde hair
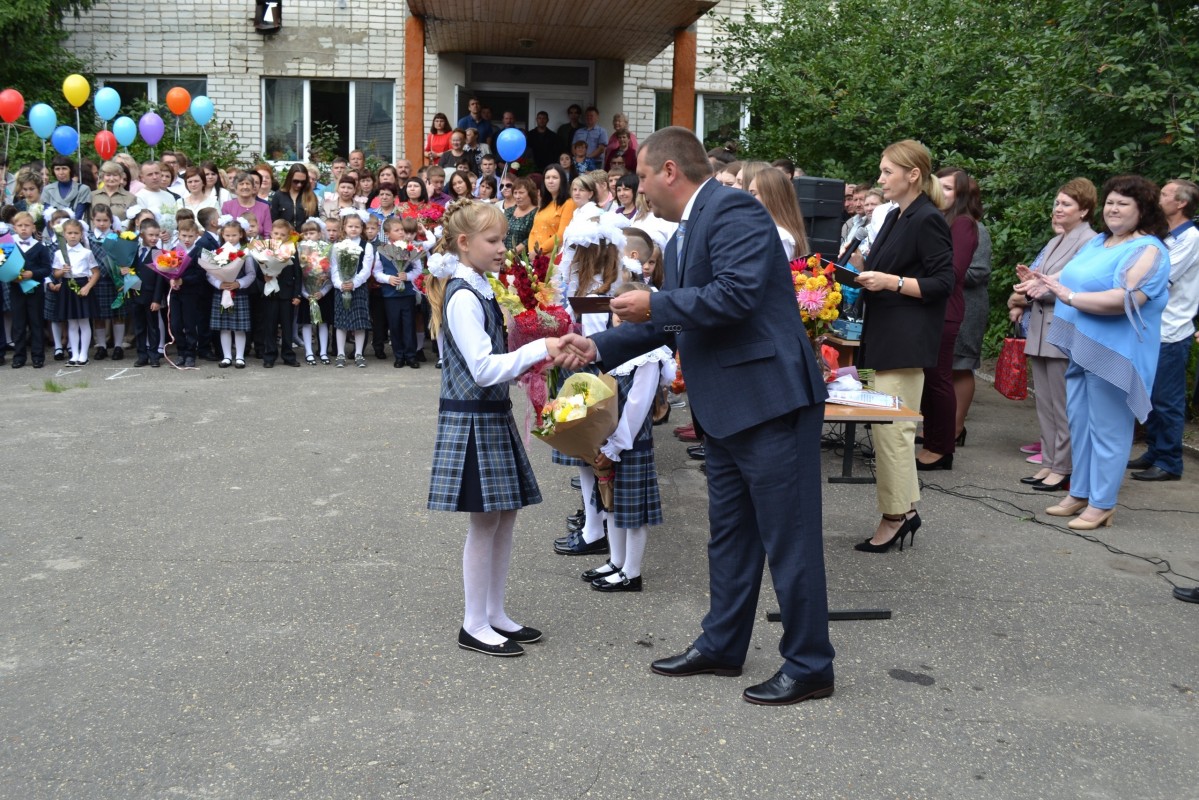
[(910, 154), (778, 195), (463, 217)]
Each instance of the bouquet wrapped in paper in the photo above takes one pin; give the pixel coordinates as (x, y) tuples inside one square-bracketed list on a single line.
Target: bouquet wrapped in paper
[(12, 264), (272, 259), (170, 264), (579, 420), (347, 267), (224, 265), (314, 266), (120, 252)]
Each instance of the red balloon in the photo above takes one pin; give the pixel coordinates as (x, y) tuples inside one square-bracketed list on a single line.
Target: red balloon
[(106, 145), (12, 105)]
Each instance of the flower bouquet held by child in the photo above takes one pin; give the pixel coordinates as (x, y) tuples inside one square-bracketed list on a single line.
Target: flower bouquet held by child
[(314, 266), (347, 253), (272, 259), (224, 265), (120, 252), (579, 420)]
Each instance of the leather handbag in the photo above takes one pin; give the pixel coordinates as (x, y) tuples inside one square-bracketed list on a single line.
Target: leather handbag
[(1011, 371)]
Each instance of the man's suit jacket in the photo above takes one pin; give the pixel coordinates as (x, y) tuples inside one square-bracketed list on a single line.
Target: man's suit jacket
[(730, 308), (154, 286), (902, 332)]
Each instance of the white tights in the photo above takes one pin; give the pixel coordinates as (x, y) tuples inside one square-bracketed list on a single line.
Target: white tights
[(485, 560), (593, 524), (230, 339), (322, 335), (627, 547), (359, 343), (79, 334)]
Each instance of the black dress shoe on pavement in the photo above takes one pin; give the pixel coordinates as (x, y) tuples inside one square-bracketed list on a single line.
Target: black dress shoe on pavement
[(142, 362), (697, 452), (783, 690), (624, 584), (18, 362), (576, 545), (1061, 486), (577, 517), (1141, 462), (524, 635), (1155, 474), (413, 364), (508, 648), (574, 483), (118, 354), (603, 571), (268, 364), (101, 353), (189, 362), (693, 662), (1032, 480), (38, 363), (944, 462), (1187, 595)]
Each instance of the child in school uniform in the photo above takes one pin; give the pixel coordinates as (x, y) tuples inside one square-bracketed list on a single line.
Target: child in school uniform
[(278, 307), (184, 296), (313, 230), (233, 323), (147, 301), (210, 239), (356, 318), (79, 273), (479, 464), (378, 314), (395, 279), (28, 309), (636, 503), (53, 307), (105, 291)]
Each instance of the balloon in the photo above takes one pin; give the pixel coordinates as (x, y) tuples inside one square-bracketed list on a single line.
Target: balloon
[(510, 144), (178, 99), (202, 110), (125, 130), (106, 145), (151, 127), (12, 105), (43, 120), (65, 139), (76, 89), (107, 103)]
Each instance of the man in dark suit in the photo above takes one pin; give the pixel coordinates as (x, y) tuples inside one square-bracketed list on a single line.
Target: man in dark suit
[(729, 305)]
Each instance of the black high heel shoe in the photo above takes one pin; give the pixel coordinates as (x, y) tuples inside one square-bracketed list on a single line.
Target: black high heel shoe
[(944, 462), (905, 529), (961, 440)]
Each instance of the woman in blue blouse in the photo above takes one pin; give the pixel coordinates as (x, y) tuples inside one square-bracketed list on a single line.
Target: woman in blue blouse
[(1107, 319)]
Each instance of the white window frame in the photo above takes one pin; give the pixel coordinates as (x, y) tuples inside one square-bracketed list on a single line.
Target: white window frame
[(151, 82), (352, 128), (699, 109)]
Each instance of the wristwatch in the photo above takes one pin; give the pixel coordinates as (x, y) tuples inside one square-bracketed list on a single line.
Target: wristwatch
[(899, 286), (1070, 299)]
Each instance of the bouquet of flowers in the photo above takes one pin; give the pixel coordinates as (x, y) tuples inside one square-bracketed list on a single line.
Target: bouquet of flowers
[(580, 419), (170, 264), (166, 218), (401, 254), (37, 211), (120, 252), (224, 265), (347, 267), (314, 266), (272, 259), (12, 264), (525, 290), (819, 298)]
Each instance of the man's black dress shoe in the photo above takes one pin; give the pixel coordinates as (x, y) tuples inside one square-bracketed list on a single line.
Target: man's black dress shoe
[(292, 363), (508, 648), (1155, 474), (268, 364), (142, 362), (1187, 595), (189, 362), (693, 662), (1141, 462), (413, 363), (18, 362), (783, 690), (697, 452), (524, 635), (38, 363), (625, 584), (578, 546)]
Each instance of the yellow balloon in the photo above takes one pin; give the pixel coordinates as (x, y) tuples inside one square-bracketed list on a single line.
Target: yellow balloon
[(76, 89)]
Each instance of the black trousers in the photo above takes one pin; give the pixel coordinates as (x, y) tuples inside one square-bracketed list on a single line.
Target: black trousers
[(145, 331), (378, 322), (185, 323), (28, 320), (401, 321), (277, 313)]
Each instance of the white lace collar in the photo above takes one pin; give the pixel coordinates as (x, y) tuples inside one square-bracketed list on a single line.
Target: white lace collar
[(476, 281), (660, 355)]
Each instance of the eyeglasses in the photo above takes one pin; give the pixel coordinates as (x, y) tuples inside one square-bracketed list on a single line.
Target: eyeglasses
[(505, 186)]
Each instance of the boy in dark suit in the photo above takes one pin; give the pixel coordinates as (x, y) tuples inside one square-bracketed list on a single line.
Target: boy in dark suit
[(148, 301), (27, 309)]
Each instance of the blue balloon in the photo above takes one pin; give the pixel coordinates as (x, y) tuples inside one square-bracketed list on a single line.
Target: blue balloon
[(125, 130), (510, 144), (202, 110), (43, 120), (107, 103), (65, 139)]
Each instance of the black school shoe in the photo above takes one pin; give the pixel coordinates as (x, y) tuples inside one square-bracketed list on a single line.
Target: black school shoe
[(508, 649)]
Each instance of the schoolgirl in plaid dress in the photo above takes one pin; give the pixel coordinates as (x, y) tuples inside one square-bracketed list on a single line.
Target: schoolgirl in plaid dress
[(479, 463), (636, 503), (80, 273), (357, 317), (233, 323), (105, 290)]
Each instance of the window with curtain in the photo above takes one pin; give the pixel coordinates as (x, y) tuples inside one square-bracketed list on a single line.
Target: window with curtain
[(362, 113), (284, 131)]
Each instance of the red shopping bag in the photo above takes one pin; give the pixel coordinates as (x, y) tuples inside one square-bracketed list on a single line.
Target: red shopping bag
[(1011, 371)]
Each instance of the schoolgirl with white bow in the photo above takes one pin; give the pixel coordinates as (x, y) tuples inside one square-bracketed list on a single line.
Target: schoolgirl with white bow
[(106, 291), (313, 230), (352, 314), (234, 322), (80, 271), (479, 464)]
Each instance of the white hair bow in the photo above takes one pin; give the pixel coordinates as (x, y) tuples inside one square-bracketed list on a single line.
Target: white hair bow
[(320, 223), (356, 212), (443, 265)]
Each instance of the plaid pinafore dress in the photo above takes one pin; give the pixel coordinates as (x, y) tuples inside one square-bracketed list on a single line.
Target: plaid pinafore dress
[(635, 498), (479, 463)]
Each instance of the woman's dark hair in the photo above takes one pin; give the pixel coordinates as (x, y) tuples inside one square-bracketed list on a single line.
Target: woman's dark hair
[(629, 181), (90, 174), (443, 118), (306, 197), (189, 172), (563, 187), (493, 183), (210, 166), (966, 199), (63, 161), (1144, 193), (449, 184), (424, 191), (530, 187)]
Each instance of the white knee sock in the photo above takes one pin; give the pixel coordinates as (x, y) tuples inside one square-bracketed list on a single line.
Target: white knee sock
[(239, 343), (100, 338), (359, 342), (85, 339), (476, 575), (73, 338), (616, 542), (118, 334), (341, 342), (56, 333), (635, 539), (593, 525), (227, 344), (306, 335), (323, 333), (501, 559)]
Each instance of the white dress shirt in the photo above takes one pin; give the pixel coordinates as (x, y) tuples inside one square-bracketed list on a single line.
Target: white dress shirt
[(465, 320)]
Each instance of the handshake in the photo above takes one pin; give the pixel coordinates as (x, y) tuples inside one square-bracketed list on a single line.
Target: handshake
[(571, 351)]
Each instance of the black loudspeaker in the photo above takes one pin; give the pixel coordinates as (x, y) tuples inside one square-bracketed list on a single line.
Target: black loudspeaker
[(822, 203)]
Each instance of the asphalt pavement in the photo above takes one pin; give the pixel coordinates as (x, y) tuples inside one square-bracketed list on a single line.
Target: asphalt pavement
[(225, 584)]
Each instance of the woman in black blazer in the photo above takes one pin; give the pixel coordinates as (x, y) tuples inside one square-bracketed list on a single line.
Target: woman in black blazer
[(908, 280)]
